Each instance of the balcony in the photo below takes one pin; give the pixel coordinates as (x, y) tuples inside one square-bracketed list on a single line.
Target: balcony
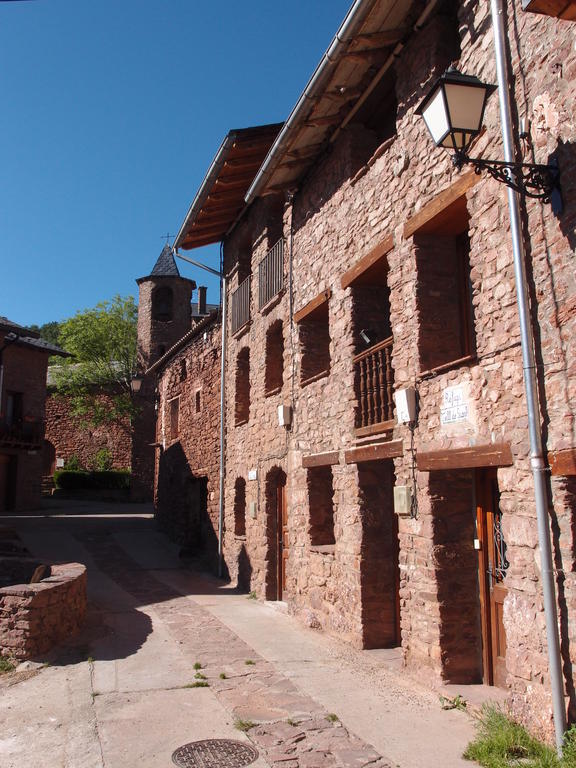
[(271, 274), (374, 379), (241, 305), (22, 434)]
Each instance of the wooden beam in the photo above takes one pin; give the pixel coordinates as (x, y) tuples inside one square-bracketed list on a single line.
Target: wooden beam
[(563, 462), (491, 455), (561, 9), (374, 452), (312, 306), (328, 459), (371, 259), (318, 122), (426, 218), (382, 39)]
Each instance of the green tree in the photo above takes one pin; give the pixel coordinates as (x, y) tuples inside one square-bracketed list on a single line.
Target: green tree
[(50, 332), (103, 341)]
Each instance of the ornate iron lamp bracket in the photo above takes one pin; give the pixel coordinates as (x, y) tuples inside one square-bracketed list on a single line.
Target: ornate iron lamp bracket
[(541, 182)]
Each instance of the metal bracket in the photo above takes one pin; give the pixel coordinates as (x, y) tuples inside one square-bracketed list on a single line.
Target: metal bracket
[(541, 182)]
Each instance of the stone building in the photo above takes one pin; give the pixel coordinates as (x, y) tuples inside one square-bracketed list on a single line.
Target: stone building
[(362, 265), (23, 364), (186, 489)]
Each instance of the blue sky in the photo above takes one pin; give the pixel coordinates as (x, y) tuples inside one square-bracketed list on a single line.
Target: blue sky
[(112, 113)]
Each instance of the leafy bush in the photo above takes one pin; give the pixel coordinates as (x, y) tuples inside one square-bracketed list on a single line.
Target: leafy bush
[(101, 460), (74, 480), (73, 463)]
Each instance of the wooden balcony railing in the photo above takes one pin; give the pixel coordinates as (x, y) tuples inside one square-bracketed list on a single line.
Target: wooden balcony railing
[(271, 274), (241, 305), (374, 385), (26, 434)]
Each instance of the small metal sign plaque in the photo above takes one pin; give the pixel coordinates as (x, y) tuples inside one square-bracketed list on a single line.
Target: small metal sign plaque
[(454, 406), (214, 753)]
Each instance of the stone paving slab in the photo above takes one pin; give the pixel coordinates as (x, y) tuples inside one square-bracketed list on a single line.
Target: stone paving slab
[(287, 726)]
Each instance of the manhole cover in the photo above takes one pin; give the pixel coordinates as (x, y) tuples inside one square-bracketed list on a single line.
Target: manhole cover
[(214, 753)]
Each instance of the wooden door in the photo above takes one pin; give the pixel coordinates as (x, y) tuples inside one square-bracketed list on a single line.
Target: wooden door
[(282, 535), (492, 566)]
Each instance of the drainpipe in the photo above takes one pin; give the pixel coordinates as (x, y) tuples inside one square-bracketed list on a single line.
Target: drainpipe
[(222, 427), (498, 8), (222, 400)]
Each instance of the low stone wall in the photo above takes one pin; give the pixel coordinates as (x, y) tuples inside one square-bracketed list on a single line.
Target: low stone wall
[(35, 617)]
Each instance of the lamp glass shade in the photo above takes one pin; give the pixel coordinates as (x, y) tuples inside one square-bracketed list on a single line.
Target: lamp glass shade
[(454, 109), (465, 107), (435, 116)]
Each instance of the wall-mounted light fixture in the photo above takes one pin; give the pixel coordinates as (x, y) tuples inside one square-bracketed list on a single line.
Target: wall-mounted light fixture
[(454, 112)]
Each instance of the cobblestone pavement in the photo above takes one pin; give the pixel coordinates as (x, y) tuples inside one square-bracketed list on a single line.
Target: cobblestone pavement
[(168, 657), (289, 728)]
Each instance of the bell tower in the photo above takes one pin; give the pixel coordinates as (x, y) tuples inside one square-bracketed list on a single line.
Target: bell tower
[(164, 311)]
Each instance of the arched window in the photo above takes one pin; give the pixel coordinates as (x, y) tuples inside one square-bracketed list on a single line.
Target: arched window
[(162, 300)]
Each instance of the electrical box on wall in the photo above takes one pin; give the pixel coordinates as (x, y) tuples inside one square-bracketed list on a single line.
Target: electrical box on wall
[(405, 400), (252, 474), (284, 415), (253, 509), (402, 500)]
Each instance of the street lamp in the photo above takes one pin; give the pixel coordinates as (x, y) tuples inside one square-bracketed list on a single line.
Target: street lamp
[(453, 112)]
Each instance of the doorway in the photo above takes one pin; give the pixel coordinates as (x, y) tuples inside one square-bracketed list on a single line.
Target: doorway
[(492, 566), (379, 563), (282, 540), (278, 544), (8, 481)]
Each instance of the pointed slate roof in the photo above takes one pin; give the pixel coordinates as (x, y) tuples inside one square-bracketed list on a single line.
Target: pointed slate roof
[(165, 267)]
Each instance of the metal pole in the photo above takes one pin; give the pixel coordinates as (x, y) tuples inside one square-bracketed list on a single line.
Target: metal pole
[(222, 428), (531, 387)]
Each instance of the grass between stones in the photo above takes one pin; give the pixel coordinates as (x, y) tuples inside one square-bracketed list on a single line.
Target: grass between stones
[(243, 725), (197, 684), (502, 743), (6, 665)]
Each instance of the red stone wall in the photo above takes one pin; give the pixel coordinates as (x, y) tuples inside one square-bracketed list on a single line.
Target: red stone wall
[(156, 335), (342, 211), (71, 437), (25, 372), (187, 465), (36, 617)]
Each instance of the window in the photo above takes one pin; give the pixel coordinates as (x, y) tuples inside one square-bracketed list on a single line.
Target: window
[(14, 409), (314, 337), (444, 299), (242, 409), (271, 274), (183, 369), (240, 507), (274, 372), (162, 299), (197, 401), (174, 412), (321, 506), (241, 305)]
